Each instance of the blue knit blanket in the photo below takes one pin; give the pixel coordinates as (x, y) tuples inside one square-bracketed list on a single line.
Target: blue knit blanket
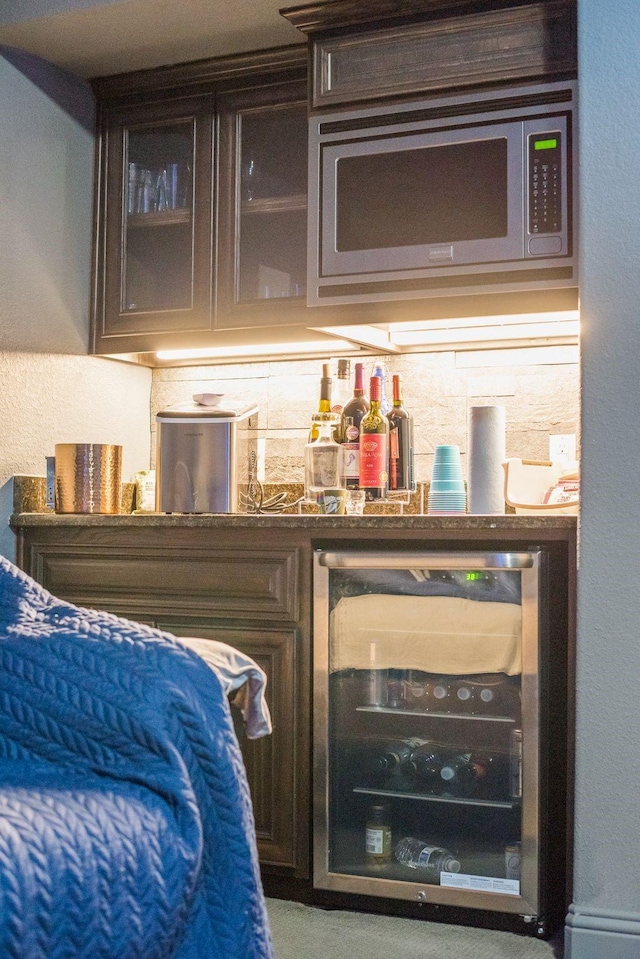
[(126, 828)]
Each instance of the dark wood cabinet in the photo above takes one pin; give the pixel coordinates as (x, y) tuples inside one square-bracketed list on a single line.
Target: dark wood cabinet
[(247, 581), (155, 242), (201, 199), (224, 587)]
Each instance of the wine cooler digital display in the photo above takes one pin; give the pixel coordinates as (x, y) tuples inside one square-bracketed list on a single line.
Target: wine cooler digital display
[(426, 746)]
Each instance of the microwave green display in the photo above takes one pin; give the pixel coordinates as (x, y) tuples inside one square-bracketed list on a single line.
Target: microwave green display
[(545, 144)]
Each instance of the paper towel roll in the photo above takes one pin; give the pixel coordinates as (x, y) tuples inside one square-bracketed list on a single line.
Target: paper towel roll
[(486, 437)]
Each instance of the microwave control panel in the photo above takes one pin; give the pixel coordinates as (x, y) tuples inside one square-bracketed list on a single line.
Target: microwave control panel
[(545, 183)]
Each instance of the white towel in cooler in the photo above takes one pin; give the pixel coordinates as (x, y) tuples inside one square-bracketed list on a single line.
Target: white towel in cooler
[(436, 634)]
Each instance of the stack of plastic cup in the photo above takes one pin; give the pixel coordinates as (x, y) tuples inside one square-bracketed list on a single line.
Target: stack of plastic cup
[(447, 493)]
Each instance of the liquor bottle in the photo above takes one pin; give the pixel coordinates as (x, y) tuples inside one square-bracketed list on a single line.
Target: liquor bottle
[(380, 370), (429, 859), (400, 441), (378, 843), (374, 446), (324, 405), (342, 387), (323, 457), (350, 420)]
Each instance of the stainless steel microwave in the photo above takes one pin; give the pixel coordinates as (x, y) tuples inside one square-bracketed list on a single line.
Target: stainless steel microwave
[(468, 194)]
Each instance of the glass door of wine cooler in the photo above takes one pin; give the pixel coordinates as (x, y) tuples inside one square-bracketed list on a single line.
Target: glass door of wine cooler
[(426, 716)]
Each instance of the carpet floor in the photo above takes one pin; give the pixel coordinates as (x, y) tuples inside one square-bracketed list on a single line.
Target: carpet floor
[(303, 932)]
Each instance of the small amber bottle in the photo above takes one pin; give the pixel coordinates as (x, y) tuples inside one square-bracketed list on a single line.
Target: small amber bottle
[(378, 837)]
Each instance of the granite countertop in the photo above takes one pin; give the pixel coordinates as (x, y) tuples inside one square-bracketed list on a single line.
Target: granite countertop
[(29, 510), (463, 521)]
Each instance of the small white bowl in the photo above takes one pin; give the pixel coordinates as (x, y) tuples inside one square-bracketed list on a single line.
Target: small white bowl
[(207, 399)]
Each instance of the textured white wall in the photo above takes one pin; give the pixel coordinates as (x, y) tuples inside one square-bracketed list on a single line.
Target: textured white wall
[(49, 391), (607, 843), (46, 176)]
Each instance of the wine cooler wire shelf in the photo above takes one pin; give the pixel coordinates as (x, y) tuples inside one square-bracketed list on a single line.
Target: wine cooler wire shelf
[(434, 715), (452, 800)]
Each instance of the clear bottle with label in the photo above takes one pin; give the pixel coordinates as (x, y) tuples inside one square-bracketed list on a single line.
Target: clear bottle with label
[(341, 393), (380, 370), (323, 457), (378, 841), (430, 860)]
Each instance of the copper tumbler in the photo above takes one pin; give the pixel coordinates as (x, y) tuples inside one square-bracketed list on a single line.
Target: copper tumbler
[(88, 478)]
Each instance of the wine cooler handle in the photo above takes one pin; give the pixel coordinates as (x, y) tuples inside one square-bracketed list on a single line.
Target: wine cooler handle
[(444, 560)]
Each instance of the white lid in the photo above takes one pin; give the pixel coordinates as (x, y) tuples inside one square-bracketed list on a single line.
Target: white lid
[(195, 411)]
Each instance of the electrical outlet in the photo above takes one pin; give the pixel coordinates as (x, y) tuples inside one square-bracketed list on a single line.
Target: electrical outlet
[(51, 482), (562, 448)]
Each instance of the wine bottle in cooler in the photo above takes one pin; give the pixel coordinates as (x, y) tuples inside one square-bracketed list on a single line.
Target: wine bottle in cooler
[(374, 446), (350, 420), (400, 441), (467, 774), (424, 768)]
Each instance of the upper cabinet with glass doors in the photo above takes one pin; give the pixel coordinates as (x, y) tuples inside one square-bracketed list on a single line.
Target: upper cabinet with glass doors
[(201, 207), (155, 240), (262, 256)]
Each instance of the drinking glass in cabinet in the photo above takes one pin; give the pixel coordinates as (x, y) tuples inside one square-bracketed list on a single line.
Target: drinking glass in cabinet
[(158, 200)]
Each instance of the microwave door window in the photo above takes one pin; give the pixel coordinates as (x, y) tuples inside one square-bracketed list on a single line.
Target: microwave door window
[(454, 193)]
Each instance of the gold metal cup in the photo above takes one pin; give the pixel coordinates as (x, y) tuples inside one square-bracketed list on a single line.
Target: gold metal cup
[(88, 478)]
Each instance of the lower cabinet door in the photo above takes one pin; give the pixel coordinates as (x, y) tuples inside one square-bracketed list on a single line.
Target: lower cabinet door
[(276, 786)]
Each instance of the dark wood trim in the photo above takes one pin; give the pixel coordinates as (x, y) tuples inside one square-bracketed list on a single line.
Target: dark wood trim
[(330, 15), (508, 45), (202, 76)]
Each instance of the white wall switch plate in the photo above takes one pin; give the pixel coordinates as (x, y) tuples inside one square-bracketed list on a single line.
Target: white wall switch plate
[(562, 447)]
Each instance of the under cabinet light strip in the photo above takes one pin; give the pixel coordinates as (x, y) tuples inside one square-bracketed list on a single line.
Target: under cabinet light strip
[(488, 334), (257, 349)]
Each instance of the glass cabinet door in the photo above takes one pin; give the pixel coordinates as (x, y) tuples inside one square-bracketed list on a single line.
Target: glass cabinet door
[(263, 206), (158, 233), (158, 262), (426, 697)]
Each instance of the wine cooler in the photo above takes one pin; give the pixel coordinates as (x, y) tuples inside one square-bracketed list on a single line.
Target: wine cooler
[(433, 731)]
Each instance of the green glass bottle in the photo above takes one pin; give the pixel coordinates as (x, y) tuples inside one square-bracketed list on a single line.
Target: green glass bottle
[(324, 406)]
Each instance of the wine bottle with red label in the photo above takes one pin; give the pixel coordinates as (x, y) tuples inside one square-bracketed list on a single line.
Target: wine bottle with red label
[(351, 417), (374, 446)]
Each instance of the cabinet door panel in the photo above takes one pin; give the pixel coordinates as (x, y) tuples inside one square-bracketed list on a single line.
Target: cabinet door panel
[(263, 206), (277, 787), (138, 581), (154, 272)]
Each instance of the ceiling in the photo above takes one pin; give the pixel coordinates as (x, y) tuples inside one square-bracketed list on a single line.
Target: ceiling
[(93, 38)]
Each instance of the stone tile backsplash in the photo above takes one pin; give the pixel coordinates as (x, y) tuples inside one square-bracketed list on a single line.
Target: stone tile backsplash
[(540, 397)]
